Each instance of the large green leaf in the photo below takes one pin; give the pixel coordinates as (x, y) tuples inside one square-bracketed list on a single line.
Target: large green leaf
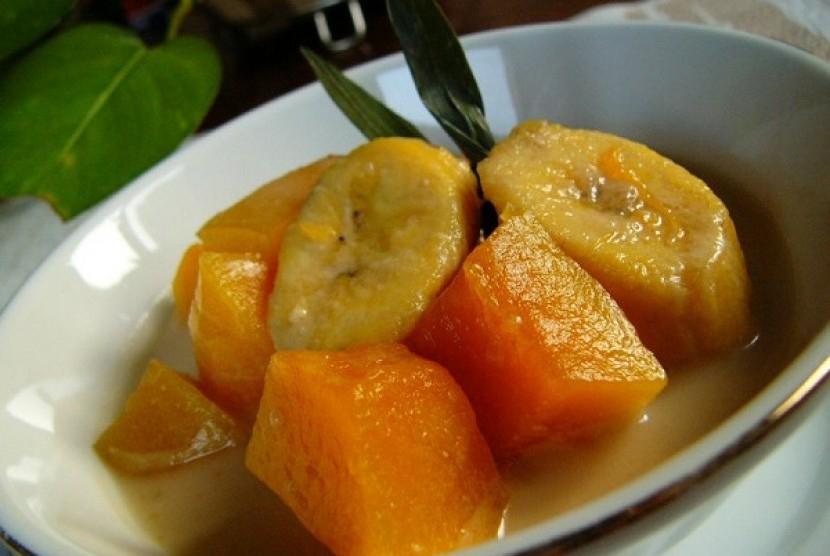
[(24, 21), (92, 108), (442, 75)]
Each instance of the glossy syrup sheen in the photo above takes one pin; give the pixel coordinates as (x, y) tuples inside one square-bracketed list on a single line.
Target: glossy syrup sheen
[(215, 506)]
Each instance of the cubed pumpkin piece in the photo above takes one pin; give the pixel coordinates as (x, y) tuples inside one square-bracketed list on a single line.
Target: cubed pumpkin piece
[(257, 223), (377, 452), (184, 282), (228, 327), (540, 348), (166, 421)]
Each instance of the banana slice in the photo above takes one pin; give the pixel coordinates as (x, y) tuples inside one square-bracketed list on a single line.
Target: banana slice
[(653, 234), (381, 234)]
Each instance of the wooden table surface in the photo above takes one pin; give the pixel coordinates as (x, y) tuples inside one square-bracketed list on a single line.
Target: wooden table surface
[(259, 69)]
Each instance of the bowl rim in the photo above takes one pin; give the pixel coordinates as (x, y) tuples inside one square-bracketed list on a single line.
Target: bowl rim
[(778, 404), (697, 471)]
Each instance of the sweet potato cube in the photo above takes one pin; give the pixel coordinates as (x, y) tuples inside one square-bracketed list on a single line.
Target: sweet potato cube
[(257, 223), (377, 451), (539, 347), (228, 327), (166, 421)]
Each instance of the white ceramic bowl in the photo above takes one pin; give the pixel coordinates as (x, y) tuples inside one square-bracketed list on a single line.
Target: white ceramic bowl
[(750, 115)]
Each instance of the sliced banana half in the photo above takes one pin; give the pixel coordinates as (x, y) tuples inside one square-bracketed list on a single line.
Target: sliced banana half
[(653, 234), (380, 236)]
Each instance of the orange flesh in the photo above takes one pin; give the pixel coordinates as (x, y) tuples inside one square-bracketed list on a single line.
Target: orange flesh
[(184, 282), (167, 421), (228, 326), (376, 451), (540, 348)]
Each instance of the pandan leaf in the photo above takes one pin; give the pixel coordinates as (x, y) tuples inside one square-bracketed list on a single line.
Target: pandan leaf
[(92, 108), (22, 22), (442, 74), (373, 118)]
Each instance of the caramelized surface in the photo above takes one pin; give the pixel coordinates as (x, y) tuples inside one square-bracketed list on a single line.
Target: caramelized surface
[(229, 330), (167, 421), (377, 452), (536, 343)]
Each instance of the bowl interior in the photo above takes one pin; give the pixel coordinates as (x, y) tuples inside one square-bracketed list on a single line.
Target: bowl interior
[(748, 115)]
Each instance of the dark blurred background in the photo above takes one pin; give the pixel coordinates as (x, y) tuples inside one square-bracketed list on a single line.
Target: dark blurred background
[(259, 40)]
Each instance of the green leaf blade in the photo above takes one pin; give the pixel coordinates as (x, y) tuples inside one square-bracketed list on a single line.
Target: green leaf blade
[(442, 75), (370, 116), (93, 108), (22, 22)]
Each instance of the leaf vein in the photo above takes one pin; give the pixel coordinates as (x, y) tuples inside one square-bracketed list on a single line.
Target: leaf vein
[(100, 102)]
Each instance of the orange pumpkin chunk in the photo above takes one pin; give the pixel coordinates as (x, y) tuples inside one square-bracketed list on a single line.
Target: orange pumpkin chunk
[(540, 348), (257, 223), (377, 451), (166, 421), (228, 327), (184, 281)]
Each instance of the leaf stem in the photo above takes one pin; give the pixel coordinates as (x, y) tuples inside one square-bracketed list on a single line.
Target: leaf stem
[(183, 8), (370, 116), (442, 74)]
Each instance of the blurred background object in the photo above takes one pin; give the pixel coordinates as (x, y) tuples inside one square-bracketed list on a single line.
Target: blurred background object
[(340, 24), (259, 40)]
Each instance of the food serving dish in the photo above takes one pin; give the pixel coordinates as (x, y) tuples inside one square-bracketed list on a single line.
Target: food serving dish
[(747, 114)]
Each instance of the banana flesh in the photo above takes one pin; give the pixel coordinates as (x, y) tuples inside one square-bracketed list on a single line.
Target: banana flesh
[(381, 234), (653, 234)]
